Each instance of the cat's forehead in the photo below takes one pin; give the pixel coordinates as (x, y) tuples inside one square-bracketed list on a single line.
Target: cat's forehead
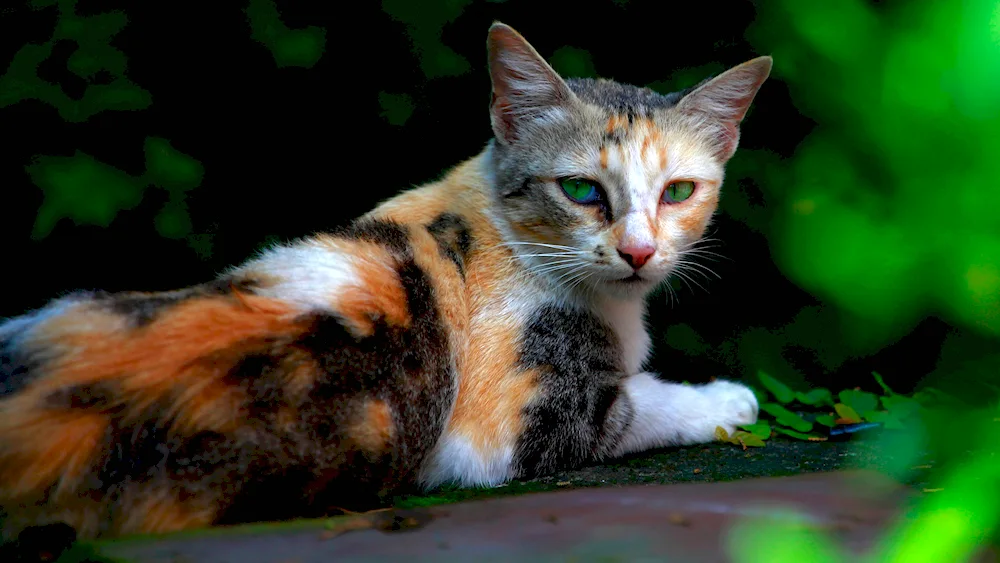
[(619, 98)]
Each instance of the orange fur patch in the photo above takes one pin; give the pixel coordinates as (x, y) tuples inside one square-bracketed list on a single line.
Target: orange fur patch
[(160, 511), (696, 219), (613, 123), (378, 293), (374, 430), (604, 157), (187, 349), (41, 447)]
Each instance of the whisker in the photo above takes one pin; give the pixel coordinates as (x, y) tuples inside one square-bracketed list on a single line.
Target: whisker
[(700, 268), (682, 278), (544, 245), (553, 269)]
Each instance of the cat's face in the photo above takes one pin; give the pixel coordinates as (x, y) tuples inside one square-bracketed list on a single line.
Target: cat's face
[(604, 187)]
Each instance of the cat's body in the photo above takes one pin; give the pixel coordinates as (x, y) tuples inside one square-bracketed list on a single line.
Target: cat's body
[(483, 327)]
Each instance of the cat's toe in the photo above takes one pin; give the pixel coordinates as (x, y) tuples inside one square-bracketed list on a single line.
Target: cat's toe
[(735, 403)]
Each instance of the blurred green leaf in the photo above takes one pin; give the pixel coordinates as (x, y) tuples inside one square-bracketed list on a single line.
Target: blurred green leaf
[(782, 393), (860, 401), (881, 383), (760, 429), (901, 407), (815, 397), (811, 436), (826, 420), (82, 189), (786, 417)]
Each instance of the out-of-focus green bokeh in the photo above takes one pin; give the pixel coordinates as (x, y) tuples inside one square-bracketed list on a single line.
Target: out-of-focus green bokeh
[(890, 208)]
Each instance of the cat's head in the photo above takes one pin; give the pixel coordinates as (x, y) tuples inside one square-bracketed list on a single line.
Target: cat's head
[(604, 186)]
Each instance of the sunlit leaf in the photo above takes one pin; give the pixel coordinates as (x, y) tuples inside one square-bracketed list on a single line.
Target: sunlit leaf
[(847, 413), (721, 434)]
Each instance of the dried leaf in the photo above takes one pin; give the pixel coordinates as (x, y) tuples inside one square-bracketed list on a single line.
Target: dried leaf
[(721, 434)]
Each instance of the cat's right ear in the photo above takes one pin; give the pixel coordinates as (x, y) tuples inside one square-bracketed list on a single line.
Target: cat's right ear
[(525, 87)]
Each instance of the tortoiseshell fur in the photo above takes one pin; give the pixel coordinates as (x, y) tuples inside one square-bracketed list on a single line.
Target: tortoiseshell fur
[(439, 338)]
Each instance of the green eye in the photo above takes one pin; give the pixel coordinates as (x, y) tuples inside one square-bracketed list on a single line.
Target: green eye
[(580, 190), (677, 192)]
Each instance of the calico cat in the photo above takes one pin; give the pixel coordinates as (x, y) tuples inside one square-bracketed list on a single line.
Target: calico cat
[(484, 327)]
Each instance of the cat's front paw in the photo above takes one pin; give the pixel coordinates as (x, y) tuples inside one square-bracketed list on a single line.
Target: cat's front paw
[(732, 403)]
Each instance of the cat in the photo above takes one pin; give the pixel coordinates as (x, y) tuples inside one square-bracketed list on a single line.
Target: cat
[(484, 327)]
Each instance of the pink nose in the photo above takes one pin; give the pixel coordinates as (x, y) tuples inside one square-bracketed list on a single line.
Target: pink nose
[(636, 256)]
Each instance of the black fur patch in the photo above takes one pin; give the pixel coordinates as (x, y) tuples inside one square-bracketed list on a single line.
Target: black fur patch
[(97, 395), (387, 233), (453, 238), (143, 308), (580, 412), (14, 369), (19, 365)]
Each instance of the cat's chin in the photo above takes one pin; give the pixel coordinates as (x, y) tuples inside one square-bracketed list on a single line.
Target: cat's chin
[(632, 287)]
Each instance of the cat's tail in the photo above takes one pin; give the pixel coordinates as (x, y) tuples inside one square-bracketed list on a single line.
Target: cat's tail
[(318, 375)]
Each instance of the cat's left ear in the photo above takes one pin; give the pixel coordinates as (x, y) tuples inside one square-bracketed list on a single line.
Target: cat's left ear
[(525, 88), (725, 99)]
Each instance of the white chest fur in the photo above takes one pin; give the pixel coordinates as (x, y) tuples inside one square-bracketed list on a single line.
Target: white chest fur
[(628, 319)]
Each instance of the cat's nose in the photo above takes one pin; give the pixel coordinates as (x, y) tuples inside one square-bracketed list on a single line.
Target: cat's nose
[(636, 256)]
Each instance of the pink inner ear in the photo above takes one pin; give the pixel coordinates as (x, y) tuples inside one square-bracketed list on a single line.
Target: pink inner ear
[(502, 112), (727, 138)]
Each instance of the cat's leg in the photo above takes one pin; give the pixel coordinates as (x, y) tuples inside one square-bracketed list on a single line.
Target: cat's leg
[(672, 414)]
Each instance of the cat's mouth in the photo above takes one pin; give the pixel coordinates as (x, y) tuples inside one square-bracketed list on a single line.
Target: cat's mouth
[(634, 278)]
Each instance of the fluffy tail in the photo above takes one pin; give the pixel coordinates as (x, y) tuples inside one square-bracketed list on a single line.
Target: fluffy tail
[(317, 376)]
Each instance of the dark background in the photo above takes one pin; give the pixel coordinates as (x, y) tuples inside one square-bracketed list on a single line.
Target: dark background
[(304, 140)]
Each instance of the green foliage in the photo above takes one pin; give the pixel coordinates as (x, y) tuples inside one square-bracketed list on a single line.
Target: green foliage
[(82, 189), (90, 192), (290, 47), (93, 56), (803, 415), (424, 23), (572, 62), (905, 98)]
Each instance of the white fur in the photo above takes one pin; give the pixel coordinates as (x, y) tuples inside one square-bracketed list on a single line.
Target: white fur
[(672, 414), (310, 275), (455, 460), (627, 318)]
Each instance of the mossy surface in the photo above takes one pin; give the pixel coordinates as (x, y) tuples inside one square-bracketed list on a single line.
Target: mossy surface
[(706, 463)]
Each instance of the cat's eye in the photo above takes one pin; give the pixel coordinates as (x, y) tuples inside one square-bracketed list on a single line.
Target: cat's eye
[(581, 190), (677, 192)]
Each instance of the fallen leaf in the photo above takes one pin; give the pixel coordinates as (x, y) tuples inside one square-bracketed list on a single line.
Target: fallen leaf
[(846, 413), (721, 434), (678, 519)]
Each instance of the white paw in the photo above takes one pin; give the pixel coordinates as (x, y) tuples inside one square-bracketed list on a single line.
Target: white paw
[(731, 404)]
